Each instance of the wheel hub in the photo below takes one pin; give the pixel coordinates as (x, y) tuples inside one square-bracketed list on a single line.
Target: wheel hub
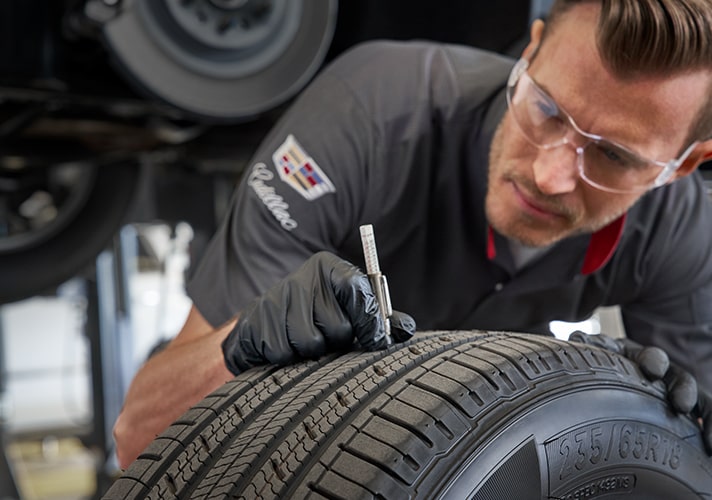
[(229, 24)]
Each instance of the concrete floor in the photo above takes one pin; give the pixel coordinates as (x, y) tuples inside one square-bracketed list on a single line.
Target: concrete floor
[(53, 469)]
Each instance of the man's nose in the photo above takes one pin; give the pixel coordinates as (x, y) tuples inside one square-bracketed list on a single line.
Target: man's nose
[(556, 170)]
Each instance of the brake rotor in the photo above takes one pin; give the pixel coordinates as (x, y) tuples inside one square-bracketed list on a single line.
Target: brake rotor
[(221, 60)]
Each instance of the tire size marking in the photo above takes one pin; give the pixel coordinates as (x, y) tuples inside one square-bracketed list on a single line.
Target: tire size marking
[(584, 448)]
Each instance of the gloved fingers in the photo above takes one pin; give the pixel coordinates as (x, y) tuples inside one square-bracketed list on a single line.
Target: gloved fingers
[(683, 393), (703, 410), (354, 294), (265, 328), (402, 326), (579, 336), (653, 361), (597, 340), (329, 319), (302, 339), (246, 346), (238, 356), (305, 319)]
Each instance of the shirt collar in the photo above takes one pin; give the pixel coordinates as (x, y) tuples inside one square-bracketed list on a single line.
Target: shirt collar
[(601, 246)]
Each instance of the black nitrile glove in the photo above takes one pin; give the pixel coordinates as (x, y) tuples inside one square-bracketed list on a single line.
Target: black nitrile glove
[(683, 393), (690, 396), (322, 307)]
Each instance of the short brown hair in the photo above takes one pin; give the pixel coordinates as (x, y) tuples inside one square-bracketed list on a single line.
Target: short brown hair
[(652, 38)]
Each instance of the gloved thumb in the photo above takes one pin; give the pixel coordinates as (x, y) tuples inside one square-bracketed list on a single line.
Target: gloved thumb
[(402, 326)]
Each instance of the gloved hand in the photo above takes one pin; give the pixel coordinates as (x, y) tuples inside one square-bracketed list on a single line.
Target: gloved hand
[(322, 307), (682, 391)]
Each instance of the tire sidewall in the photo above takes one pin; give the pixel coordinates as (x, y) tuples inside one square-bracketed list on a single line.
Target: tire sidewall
[(591, 440)]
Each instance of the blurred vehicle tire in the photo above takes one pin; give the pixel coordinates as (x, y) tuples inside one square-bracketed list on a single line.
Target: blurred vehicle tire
[(58, 221)]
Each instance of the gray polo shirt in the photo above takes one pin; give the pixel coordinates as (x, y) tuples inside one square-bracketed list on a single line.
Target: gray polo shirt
[(397, 135)]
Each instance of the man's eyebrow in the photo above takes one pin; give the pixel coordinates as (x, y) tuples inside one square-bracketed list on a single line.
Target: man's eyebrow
[(540, 86)]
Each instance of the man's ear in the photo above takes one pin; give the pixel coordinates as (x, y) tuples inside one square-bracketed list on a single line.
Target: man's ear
[(536, 32), (699, 155)]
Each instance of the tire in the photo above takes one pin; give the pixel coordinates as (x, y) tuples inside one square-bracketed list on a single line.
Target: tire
[(478, 415), (90, 209)]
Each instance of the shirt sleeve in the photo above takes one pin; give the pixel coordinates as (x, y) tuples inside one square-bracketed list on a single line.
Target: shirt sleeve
[(303, 191)]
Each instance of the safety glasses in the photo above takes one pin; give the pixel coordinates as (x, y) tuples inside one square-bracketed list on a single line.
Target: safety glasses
[(602, 163)]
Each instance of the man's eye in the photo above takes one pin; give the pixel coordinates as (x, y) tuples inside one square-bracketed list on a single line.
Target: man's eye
[(547, 108), (619, 157), (612, 155)]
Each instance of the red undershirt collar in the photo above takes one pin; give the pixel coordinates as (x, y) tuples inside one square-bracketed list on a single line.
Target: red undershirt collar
[(600, 248)]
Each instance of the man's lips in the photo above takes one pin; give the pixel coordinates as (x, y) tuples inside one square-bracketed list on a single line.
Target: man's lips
[(532, 205)]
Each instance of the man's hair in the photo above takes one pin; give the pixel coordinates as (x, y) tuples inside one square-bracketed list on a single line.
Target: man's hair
[(654, 38)]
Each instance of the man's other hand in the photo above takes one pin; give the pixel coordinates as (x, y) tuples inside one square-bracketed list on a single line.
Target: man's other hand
[(322, 307), (683, 392)]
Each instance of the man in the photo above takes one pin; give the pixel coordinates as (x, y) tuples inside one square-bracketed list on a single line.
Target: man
[(503, 196)]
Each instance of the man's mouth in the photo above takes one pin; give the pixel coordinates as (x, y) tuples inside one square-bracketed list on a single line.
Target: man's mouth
[(535, 206)]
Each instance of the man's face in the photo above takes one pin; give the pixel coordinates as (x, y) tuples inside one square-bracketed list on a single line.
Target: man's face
[(535, 195)]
